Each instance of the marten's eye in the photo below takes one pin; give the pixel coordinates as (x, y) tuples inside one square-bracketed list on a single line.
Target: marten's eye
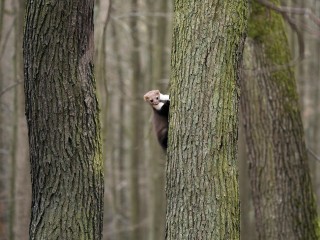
[(157, 98), (151, 100)]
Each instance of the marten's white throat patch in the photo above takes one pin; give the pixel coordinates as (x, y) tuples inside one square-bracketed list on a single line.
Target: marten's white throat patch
[(158, 106)]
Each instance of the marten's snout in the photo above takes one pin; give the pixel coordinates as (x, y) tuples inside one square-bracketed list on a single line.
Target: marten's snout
[(154, 101)]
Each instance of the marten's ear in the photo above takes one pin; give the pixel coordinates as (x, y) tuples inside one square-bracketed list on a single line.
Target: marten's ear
[(146, 98)]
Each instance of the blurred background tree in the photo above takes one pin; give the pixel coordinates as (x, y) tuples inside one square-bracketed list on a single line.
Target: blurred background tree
[(278, 162)]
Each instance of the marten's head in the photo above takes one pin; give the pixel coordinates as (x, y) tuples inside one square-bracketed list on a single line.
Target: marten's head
[(153, 98)]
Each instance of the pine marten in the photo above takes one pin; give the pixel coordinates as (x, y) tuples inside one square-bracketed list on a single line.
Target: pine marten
[(160, 104)]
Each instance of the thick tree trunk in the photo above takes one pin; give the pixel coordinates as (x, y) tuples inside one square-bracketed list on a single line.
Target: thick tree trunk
[(202, 175), (281, 187), (63, 122)]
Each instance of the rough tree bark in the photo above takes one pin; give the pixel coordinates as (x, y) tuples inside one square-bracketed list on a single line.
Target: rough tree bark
[(279, 174), (63, 122), (202, 175)]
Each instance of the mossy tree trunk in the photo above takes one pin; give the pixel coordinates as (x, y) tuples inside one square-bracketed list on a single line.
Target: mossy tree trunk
[(202, 175), (278, 168), (63, 122)]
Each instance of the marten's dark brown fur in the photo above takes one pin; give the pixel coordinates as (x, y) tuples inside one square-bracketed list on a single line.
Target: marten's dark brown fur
[(160, 105)]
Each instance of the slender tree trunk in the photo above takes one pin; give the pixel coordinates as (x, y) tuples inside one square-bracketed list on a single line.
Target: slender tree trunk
[(13, 157), (63, 122), (311, 110), (248, 231), (102, 16), (278, 168), (18, 8), (3, 158), (22, 181), (202, 175), (316, 138), (160, 62), (136, 127), (121, 208), (161, 40), (2, 4)]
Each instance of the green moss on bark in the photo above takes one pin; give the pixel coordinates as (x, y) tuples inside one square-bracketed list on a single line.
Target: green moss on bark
[(274, 133), (267, 27), (202, 176)]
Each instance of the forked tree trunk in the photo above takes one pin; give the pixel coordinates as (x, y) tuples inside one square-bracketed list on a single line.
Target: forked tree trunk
[(63, 122), (202, 175), (278, 168)]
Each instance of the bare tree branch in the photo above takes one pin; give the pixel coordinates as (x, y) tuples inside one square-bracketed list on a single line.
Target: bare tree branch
[(284, 11), (300, 39), (142, 14), (313, 154), (10, 87), (294, 27), (293, 10), (6, 38)]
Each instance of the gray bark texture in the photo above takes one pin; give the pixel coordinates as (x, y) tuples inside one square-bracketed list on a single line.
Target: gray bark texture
[(63, 122), (202, 175), (278, 165)]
